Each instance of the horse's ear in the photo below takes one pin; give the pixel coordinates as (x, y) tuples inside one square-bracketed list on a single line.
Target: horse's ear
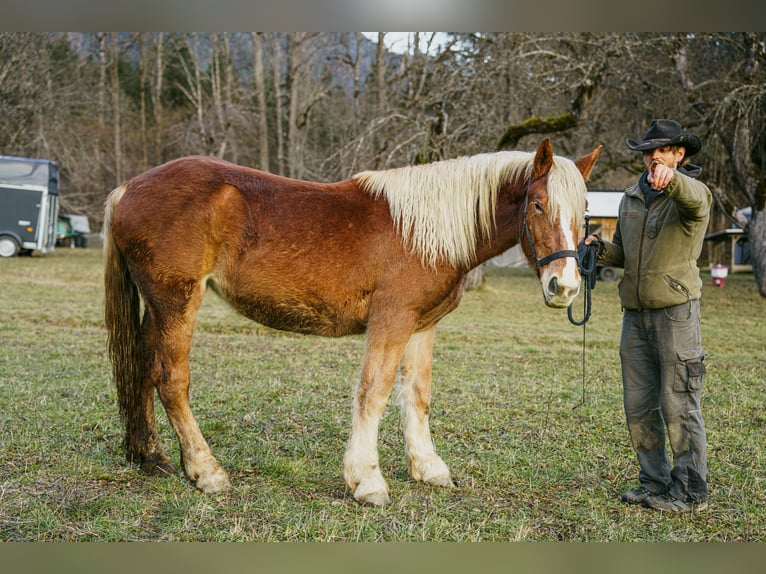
[(543, 159), (585, 163)]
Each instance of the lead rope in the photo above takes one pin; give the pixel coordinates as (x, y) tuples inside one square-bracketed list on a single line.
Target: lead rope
[(587, 256)]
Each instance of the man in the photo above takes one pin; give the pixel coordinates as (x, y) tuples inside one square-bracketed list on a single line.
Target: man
[(660, 228)]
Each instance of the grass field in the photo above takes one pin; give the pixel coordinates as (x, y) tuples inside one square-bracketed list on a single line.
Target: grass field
[(538, 449)]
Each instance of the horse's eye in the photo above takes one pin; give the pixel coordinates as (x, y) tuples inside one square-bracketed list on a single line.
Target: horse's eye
[(538, 207)]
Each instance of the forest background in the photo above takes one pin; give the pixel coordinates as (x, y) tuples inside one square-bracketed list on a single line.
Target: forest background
[(323, 106)]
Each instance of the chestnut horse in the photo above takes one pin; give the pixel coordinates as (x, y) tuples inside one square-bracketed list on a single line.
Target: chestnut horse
[(384, 253)]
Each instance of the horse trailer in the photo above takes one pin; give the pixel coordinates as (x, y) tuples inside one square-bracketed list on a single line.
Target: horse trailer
[(29, 205)]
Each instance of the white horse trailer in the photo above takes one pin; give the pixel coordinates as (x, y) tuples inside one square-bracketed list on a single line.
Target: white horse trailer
[(29, 205)]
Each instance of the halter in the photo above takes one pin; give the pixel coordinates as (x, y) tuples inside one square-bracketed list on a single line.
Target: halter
[(564, 253)]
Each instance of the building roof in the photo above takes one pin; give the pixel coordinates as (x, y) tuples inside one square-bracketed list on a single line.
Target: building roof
[(604, 202), (732, 231)]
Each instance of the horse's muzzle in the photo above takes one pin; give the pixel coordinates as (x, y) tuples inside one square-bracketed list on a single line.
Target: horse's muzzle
[(558, 293)]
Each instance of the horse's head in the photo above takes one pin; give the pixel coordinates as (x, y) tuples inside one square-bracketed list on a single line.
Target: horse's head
[(554, 215)]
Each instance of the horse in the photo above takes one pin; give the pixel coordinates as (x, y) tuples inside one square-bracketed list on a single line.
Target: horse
[(384, 253)]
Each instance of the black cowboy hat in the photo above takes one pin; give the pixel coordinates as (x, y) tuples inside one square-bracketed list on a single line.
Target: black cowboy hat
[(666, 132)]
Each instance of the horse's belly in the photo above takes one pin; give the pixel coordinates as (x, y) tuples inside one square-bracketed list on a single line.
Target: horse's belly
[(310, 315)]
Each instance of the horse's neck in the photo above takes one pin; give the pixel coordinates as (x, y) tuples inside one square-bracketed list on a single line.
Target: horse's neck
[(507, 230)]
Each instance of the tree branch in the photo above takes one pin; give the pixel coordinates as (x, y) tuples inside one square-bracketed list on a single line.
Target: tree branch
[(535, 125)]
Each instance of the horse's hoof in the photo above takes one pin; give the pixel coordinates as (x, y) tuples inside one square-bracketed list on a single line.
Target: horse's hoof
[(158, 466), (444, 480), (213, 483), (379, 498), (434, 472)]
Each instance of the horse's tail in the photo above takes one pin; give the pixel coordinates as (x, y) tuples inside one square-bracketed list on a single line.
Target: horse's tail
[(122, 316)]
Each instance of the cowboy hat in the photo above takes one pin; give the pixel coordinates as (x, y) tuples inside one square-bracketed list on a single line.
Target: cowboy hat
[(666, 132)]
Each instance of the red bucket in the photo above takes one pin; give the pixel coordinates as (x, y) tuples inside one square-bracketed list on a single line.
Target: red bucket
[(719, 273)]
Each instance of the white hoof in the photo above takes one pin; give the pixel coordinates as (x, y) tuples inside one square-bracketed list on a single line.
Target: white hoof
[(434, 472), (372, 497), (368, 488), (443, 480), (216, 482)]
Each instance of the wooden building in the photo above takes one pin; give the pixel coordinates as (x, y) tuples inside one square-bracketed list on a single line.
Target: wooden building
[(603, 208), (729, 247)]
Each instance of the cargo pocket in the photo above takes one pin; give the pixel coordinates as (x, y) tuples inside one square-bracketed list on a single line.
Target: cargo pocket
[(690, 371)]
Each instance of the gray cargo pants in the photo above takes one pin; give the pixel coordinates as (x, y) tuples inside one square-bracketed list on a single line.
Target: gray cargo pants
[(662, 375)]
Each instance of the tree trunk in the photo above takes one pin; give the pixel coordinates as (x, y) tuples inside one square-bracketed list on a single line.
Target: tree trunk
[(260, 101), (101, 136), (303, 93), (217, 81), (475, 278), (143, 74), (757, 240), (192, 89), (294, 56), (118, 175), (276, 68), (159, 74), (221, 79), (357, 85), (380, 74)]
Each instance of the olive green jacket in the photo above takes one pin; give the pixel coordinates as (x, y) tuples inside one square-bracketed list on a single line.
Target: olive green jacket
[(658, 247)]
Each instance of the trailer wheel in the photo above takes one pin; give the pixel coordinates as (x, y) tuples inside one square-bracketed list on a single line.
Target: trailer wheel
[(607, 274), (9, 247)]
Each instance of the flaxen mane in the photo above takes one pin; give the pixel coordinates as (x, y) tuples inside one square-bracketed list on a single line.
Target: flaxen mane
[(438, 207)]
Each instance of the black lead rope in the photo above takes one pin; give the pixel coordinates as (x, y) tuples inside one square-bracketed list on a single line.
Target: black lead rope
[(587, 256)]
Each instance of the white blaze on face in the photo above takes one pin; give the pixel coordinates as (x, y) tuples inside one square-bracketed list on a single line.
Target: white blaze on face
[(568, 280)]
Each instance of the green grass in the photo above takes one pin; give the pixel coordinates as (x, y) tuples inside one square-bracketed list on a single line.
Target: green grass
[(538, 452)]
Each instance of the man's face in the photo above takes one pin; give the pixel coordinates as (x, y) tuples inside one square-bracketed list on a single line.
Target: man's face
[(669, 156)]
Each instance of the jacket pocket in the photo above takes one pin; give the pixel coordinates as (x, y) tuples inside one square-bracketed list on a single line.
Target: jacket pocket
[(653, 226), (690, 371), (678, 286)]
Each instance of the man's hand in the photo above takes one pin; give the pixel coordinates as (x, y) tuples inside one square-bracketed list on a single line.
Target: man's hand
[(590, 239), (660, 175)]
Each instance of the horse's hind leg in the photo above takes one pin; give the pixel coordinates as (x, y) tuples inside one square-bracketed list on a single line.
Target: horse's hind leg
[(170, 365), (415, 399), (141, 439)]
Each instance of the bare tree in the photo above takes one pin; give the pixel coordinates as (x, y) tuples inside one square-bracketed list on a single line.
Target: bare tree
[(221, 77), (157, 88), (380, 75), (143, 75), (17, 61), (191, 87), (276, 67), (738, 121), (259, 85), (304, 91), (116, 119)]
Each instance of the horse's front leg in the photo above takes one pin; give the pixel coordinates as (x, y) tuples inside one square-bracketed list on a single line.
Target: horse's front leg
[(361, 468), (415, 401)]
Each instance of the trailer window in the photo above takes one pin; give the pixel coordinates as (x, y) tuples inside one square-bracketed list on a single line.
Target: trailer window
[(19, 172)]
